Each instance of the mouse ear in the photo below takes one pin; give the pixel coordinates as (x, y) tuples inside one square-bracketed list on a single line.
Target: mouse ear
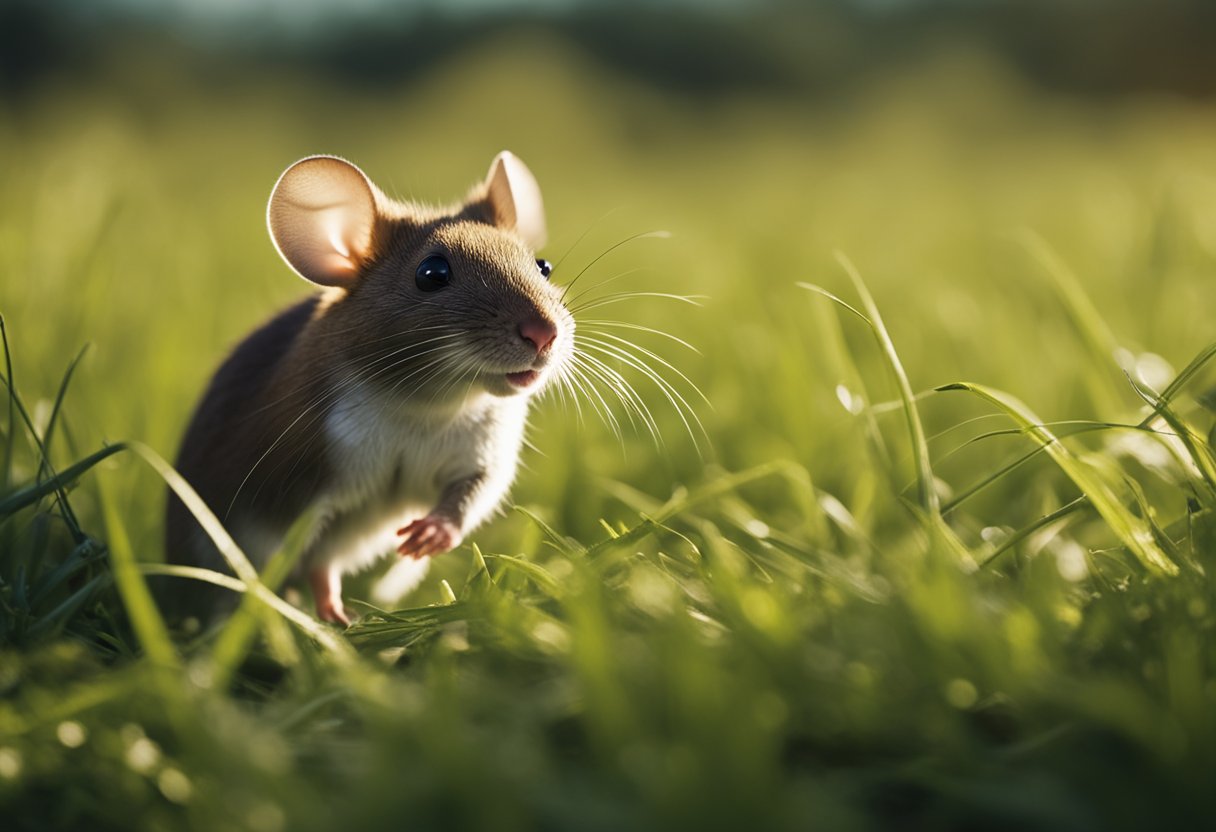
[(321, 216), (515, 197)]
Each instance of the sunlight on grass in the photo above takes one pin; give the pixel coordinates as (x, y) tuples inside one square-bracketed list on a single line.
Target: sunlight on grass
[(767, 614)]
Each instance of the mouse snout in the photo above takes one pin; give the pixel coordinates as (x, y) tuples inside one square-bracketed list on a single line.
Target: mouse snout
[(538, 331)]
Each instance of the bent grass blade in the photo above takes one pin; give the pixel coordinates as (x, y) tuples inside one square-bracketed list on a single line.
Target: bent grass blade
[(1134, 532)]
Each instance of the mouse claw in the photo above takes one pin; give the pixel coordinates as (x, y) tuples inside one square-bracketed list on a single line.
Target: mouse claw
[(426, 536), (331, 610)]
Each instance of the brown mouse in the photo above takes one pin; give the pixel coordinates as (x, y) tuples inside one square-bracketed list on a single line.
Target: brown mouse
[(391, 403)]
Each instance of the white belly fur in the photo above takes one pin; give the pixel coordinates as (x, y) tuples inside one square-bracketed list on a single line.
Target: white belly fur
[(391, 465)]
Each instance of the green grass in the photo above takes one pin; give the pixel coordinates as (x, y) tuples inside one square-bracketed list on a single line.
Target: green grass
[(941, 563)]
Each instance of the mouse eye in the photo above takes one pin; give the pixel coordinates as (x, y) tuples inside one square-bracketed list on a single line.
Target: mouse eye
[(433, 274), (546, 268)]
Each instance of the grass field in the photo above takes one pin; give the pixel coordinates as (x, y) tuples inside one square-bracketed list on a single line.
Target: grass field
[(851, 602)]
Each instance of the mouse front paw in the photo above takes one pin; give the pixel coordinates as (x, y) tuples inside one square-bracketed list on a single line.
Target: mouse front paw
[(430, 535)]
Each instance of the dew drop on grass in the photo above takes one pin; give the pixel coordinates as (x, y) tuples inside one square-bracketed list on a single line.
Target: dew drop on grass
[(552, 635), (852, 402), (1070, 560), (174, 785), (200, 674), (994, 535), (758, 528), (143, 755), (71, 733), (10, 763), (961, 694), (1153, 371)]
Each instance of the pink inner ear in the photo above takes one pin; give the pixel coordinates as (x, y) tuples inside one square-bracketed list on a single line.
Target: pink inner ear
[(337, 265)]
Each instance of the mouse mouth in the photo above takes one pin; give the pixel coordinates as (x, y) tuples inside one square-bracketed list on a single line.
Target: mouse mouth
[(523, 379)]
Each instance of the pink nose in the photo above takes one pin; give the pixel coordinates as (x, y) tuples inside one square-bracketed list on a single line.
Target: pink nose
[(539, 332)]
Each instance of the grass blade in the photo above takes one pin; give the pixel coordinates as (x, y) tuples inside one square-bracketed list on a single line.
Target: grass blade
[(927, 497), (237, 636), (10, 428), (926, 492), (1023, 533), (1094, 332), (1133, 531), (51, 423), (145, 618), (33, 493), (237, 560), (1181, 380)]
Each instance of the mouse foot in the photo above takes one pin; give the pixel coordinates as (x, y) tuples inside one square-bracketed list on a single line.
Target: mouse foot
[(331, 610), (430, 535), (327, 590)]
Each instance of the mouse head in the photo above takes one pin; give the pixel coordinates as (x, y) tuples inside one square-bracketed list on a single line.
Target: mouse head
[(436, 300)]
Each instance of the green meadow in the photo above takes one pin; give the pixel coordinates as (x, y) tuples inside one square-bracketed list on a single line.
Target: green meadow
[(920, 537)]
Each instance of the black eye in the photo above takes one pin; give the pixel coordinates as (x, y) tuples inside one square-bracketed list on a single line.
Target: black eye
[(433, 274), (546, 268)]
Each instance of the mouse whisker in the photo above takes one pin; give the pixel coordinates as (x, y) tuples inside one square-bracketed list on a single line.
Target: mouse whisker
[(618, 276), (583, 236), (592, 325), (627, 394), (609, 250), (618, 297), (593, 396), (315, 408), (681, 406)]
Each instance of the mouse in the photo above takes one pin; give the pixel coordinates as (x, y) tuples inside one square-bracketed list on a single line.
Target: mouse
[(390, 404)]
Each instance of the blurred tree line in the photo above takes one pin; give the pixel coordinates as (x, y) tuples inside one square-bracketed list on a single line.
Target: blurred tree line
[(1088, 47)]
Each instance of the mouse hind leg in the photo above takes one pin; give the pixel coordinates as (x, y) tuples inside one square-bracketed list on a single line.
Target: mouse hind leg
[(325, 580), (344, 543)]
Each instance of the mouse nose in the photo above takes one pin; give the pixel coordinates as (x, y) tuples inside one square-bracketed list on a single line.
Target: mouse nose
[(539, 332)]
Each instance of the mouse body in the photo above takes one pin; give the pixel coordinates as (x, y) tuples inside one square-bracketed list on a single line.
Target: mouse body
[(391, 404)]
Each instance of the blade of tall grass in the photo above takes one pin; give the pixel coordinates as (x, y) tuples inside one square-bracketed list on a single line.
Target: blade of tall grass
[(82, 556), (845, 371), (10, 427), (534, 572), (146, 619), (1098, 338), (237, 560), (1182, 379), (1076, 428), (48, 433), (239, 631), (794, 474), (403, 628), (33, 493), (559, 541), (53, 621), (1046, 520), (194, 573), (926, 493), (1197, 451), (14, 400), (1133, 531), (927, 497)]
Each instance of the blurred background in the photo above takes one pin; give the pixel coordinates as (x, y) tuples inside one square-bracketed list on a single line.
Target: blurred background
[(923, 138)]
